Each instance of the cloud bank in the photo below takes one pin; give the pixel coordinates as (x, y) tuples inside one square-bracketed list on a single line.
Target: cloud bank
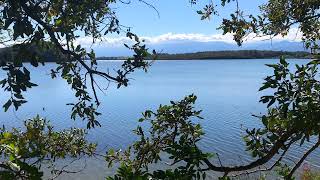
[(294, 35)]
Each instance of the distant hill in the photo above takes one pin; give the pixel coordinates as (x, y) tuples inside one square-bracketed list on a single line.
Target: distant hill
[(193, 46), (189, 46), (19, 54), (241, 54)]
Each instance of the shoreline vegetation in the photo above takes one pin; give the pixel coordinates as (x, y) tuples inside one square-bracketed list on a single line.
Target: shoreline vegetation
[(8, 55), (216, 55)]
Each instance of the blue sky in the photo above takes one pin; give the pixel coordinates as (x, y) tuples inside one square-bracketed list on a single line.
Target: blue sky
[(176, 16), (178, 28)]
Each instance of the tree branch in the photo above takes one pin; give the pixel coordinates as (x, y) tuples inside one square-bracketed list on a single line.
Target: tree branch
[(273, 151), (271, 167), (94, 89), (64, 51), (298, 164)]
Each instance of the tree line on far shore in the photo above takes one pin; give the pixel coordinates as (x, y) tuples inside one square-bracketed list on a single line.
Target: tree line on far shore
[(51, 56), (239, 54)]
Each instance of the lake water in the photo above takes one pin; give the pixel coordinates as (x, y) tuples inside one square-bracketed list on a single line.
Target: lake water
[(227, 93)]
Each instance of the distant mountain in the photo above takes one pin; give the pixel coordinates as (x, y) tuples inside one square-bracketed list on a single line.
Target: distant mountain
[(276, 46), (189, 46)]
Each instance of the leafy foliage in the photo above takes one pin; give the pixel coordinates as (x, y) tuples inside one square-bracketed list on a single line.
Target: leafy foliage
[(18, 80), (56, 25), (293, 108), (172, 132), (309, 174), (293, 117), (293, 114), (24, 152), (276, 18)]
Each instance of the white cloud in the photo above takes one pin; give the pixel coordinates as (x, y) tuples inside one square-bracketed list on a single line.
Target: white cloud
[(188, 37), (293, 35)]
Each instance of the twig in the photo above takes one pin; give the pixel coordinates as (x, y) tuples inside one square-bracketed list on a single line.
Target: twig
[(152, 6), (314, 147)]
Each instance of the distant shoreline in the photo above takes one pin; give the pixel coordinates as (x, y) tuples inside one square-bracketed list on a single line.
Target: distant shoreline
[(7, 55), (220, 59), (219, 55)]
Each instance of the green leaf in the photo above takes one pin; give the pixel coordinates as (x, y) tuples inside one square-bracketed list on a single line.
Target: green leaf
[(58, 22), (273, 100), (7, 105), (283, 60), (265, 86), (19, 96)]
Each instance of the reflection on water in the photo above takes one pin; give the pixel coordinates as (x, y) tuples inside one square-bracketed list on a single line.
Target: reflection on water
[(227, 93)]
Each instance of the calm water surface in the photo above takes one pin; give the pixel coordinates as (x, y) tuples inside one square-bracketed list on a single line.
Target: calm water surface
[(227, 93)]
